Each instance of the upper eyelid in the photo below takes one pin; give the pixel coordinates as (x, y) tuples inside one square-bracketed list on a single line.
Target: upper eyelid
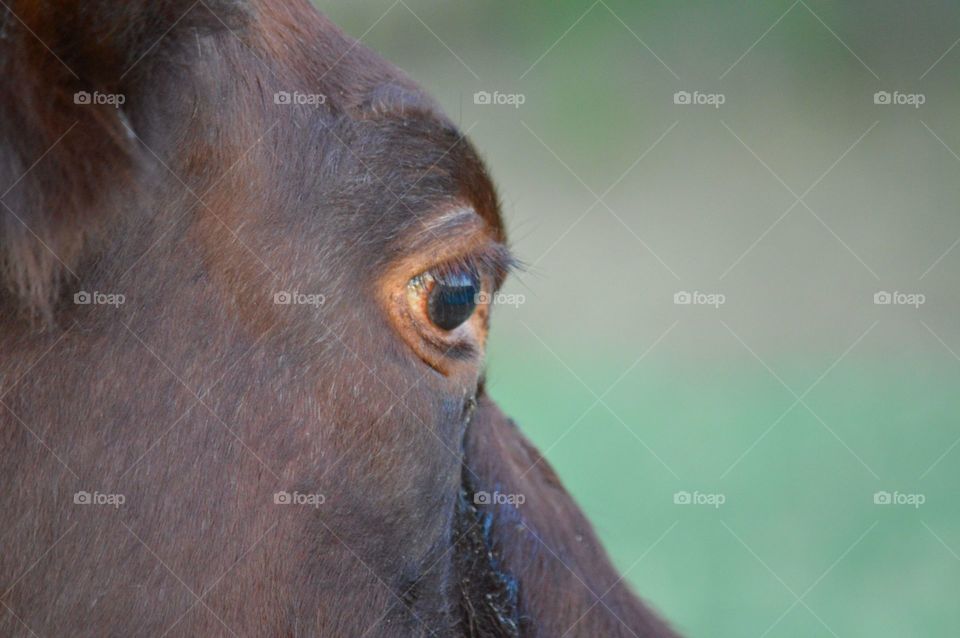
[(459, 229), (494, 260), (459, 235)]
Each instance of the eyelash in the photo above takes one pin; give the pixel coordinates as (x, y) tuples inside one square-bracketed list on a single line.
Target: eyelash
[(491, 264)]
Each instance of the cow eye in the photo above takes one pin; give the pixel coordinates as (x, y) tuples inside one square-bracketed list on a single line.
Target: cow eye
[(441, 307), (448, 296)]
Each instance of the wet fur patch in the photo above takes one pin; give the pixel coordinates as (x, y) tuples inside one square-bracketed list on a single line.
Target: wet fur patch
[(488, 593)]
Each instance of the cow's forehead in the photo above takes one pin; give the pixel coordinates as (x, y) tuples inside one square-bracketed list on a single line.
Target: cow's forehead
[(398, 156), (428, 171), (396, 173)]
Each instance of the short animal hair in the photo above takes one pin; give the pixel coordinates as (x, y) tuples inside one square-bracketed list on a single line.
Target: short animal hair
[(64, 158)]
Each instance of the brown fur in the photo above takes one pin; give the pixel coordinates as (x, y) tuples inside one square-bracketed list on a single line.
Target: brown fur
[(198, 399)]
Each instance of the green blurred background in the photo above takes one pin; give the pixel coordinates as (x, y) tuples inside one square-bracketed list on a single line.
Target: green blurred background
[(798, 398)]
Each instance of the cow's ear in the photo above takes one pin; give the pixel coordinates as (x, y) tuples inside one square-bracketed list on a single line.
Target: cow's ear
[(72, 75), (543, 567)]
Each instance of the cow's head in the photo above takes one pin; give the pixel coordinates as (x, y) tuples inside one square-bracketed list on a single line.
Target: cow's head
[(257, 175), (272, 230)]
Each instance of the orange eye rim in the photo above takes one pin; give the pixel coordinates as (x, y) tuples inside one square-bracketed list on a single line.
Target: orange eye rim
[(469, 244), (441, 349)]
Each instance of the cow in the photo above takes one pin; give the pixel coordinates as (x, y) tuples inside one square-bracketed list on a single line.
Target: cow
[(246, 274)]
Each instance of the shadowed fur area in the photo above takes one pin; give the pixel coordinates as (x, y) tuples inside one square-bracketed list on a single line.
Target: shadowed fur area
[(252, 466), (53, 52), (488, 593)]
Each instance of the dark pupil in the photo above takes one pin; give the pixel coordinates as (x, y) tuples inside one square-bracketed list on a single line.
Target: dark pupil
[(453, 299)]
